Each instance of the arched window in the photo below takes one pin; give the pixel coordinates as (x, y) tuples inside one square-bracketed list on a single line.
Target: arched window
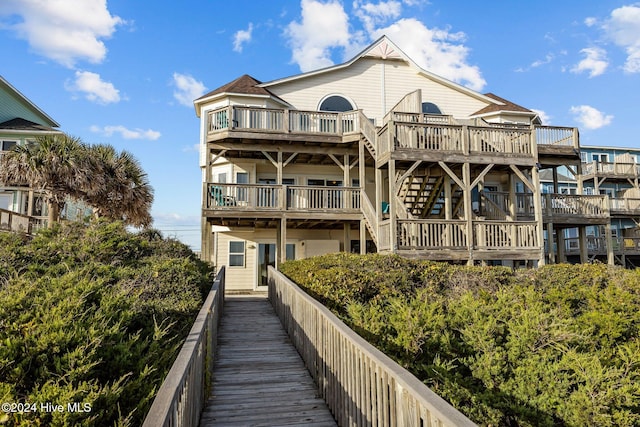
[(336, 103), (430, 108)]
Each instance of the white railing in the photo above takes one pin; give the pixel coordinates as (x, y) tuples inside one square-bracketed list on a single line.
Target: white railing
[(597, 245), (264, 119), (184, 392), (310, 198), (516, 141), (432, 234), (505, 235), (559, 136), (361, 385), (220, 196)]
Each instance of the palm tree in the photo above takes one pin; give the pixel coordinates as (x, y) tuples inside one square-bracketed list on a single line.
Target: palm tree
[(125, 193), (56, 165)]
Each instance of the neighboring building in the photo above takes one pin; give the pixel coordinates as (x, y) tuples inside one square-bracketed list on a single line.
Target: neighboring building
[(378, 154), (21, 121)]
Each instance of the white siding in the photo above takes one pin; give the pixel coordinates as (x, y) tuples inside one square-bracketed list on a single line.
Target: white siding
[(376, 86)]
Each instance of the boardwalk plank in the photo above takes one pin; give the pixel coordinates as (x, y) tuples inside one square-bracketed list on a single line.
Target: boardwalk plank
[(258, 378)]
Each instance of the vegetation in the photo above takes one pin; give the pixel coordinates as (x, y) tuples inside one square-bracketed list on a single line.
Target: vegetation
[(62, 166), (557, 346), (92, 315)]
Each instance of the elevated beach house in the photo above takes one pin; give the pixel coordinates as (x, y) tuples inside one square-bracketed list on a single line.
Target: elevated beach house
[(21, 121), (378, 154)]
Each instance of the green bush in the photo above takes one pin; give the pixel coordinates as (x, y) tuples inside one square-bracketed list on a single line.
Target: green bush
[(559, 345), (92, 314)]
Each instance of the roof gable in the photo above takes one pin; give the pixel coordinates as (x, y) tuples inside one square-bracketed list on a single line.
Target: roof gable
[(504, 105), (384, 48), (20, 124), (14, 104)]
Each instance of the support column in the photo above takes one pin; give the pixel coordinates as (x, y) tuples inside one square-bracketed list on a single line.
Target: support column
[(537, 203), (281, 242), (550, 243), (562, 257), (468, 209), (392, 206), (347, 237), (363, 237), (582, 236), (609, 242)]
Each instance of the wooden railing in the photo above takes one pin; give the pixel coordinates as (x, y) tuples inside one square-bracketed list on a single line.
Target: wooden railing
[(370, 216), (257, 119), (432, 234), (503, 140), (245, 197), (429, 137), (557, 205), (597, 245), (19, 223), (505, 235), (183, 393), (611, 169), (361, 385), (558, 136), (384, 235), (625, 206)]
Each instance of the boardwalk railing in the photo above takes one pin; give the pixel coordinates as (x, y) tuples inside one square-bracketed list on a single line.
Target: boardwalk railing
[(183, 393), (361, 385)]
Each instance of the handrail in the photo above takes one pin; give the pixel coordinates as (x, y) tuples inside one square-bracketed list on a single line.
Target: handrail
[(183, 393), (361, 385), (17, 222)]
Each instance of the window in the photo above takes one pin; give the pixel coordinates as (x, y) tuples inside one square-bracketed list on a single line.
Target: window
[(8, 145), (5, 200), (430, 108), (336, 103), (236, 254), (600, 157), (222, 178), (242, 178)]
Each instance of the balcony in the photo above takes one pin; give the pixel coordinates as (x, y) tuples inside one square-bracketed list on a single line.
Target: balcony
[(19, 223), (625, 207), (272, 200), (256, 122), (613, 170), (597, 246)]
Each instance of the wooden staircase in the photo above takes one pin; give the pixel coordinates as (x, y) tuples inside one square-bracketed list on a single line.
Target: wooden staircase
[(423, 196)]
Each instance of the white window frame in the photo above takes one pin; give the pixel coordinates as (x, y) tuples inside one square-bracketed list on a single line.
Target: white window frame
[(242, 254)]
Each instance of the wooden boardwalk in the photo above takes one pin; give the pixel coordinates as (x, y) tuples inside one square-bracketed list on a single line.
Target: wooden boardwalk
[(258, 378)]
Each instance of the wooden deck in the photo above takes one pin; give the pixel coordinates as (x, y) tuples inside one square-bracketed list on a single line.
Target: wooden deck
[(259, 378)]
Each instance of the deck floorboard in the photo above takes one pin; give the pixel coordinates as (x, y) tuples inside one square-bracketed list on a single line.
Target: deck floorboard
[(259, 378)]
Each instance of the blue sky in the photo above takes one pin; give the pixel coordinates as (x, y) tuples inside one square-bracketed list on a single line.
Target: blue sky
[(125, 72)]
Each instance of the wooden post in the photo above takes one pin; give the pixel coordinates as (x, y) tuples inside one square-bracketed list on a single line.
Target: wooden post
[(609, 240), (347, 237), (363, 237), (392, 205), (561, 256), (582, 236), (550, 243), (468, 210), (281, 241), (537, 206)]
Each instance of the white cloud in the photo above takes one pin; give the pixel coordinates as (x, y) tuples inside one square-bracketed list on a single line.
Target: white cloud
[(65, 31), (93, 87), (126, 133), (589, 117), (241, 37), (595, 62), (375, 14), (544, 117), (435, 50), (323, 26), (590, 21), (623, 28), (187, 89)]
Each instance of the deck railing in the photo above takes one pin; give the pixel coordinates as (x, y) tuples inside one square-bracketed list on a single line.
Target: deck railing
[(558, 205), (424, 234), (625, 206), (505, 235), (558, 136), (631, 170), (361, 385), (505, 140), (384, 235), (222, 196), (19, 223), (183, 393), (257, 119), (597, 245)]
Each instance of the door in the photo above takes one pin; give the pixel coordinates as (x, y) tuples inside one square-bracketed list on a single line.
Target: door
[(267, 257)]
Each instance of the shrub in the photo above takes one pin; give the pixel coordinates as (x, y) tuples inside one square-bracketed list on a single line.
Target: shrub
[(93, 314)]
